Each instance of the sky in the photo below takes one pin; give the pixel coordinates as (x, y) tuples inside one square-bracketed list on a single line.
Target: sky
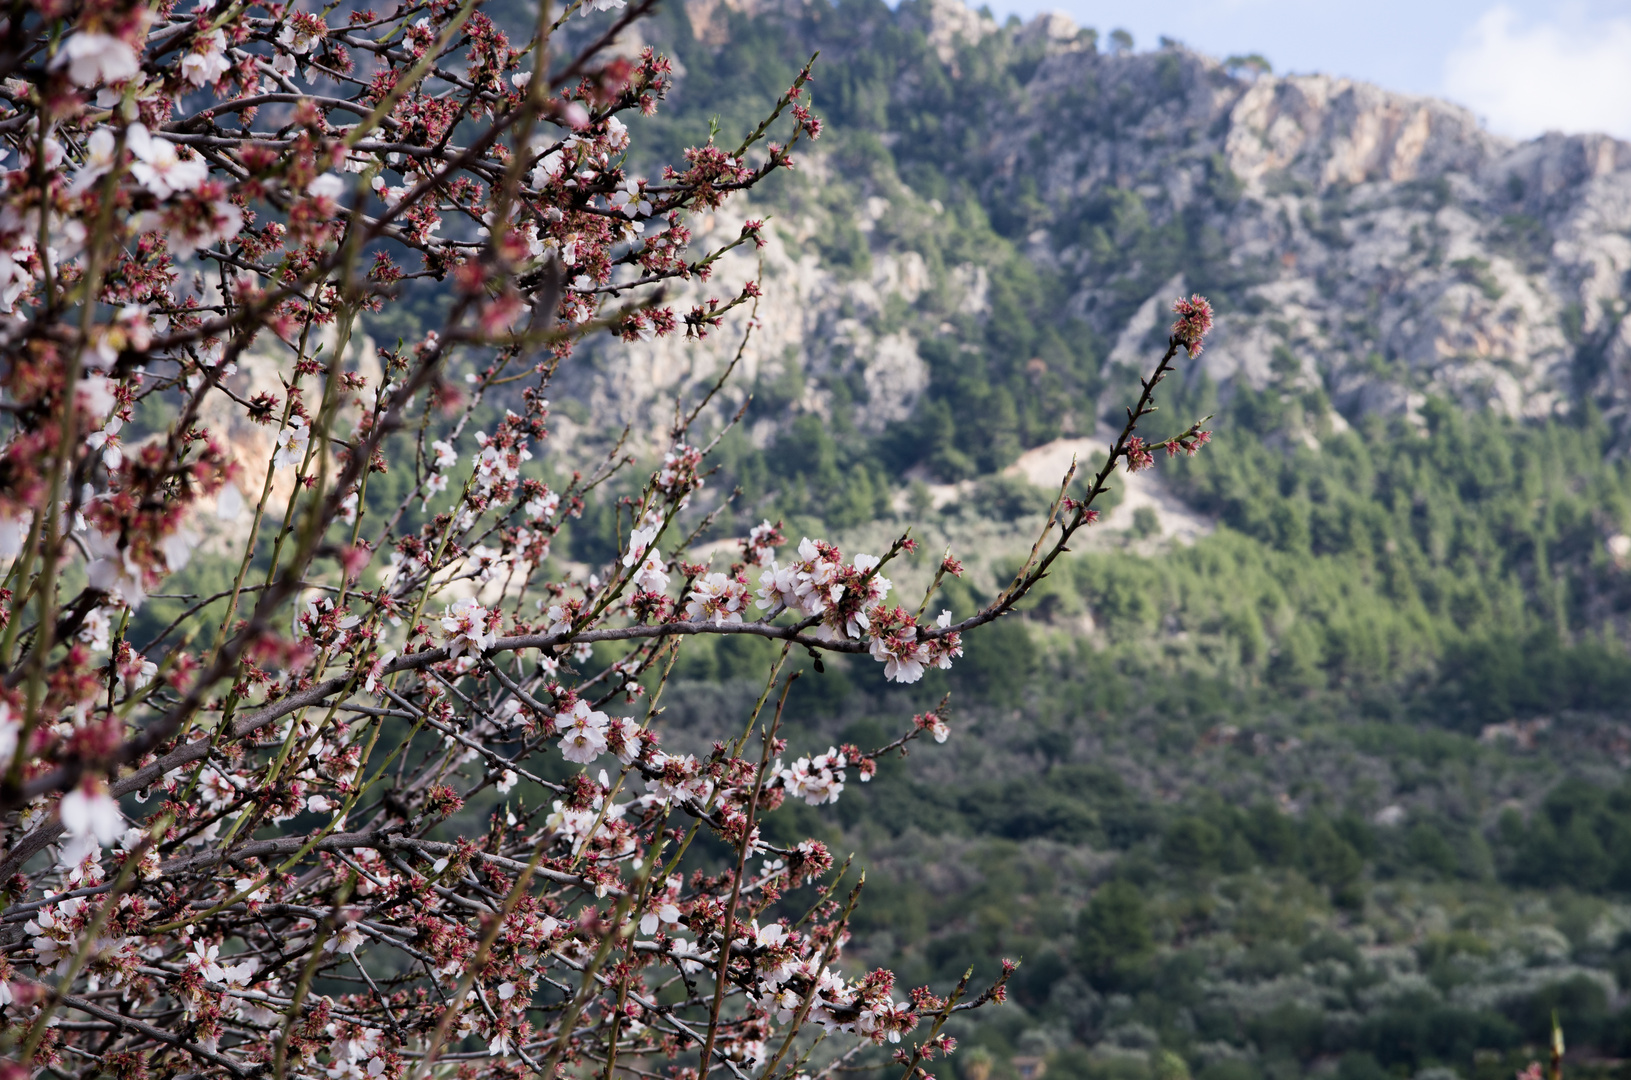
[(1524, 67)]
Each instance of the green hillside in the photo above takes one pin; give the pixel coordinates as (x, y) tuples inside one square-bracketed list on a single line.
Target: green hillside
[(1336, 790)]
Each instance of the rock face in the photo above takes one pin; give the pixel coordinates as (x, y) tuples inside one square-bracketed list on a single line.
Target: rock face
[(1397, 248), (1372, 247), (814, 323)]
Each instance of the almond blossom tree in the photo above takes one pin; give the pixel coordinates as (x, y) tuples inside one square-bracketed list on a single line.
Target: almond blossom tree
[(227, 847)]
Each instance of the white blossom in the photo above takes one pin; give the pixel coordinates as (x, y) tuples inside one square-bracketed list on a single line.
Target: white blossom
[(142, 674), (206, 65), (496, 465), (203, 957), (326, 186), (759, 548), (778, 585), (560, 618), (689, 958), (639, 541), (584, 737), (816, 780), (630, 200), (97, 161), (91, 819), (114, 571), (814, 588), (651, 576), (97, 630), (487, 561), (15, 275), (665, 914), (159, 167), (291, 444), (466, 625), (92, 59), (95, 394), (177, 549), (902, 657), (223, 221), (717, 599), (301, 35), (105, 439), (435, 484), (229, 502), (542, 506), (10, 728), (346, 941)]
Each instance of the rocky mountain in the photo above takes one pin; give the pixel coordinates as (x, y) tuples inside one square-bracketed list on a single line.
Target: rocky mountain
[(1016, 198)]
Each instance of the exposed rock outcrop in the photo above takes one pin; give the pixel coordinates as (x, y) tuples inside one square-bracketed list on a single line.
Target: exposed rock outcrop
[(1373, 246)]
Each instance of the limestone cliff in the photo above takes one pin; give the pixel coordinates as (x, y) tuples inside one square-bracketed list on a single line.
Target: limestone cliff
[(1372, 247)]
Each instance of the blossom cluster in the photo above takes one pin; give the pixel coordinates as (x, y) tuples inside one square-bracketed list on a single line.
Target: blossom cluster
[(389, 796), (1193, 324), (847, 602)]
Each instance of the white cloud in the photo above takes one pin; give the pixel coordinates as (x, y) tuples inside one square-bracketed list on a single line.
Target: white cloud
[(1526, 79)]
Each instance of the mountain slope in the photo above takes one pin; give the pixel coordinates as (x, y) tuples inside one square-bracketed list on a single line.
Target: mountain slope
[(1017, 193), (1335, 786)]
